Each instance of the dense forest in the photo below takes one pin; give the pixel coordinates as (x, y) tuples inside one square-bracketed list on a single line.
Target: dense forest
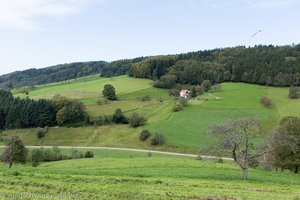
[(23, 113), (266, 65)]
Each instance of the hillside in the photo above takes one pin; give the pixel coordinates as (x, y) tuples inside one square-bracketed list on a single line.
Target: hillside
[(265, 65), (129, 175), (185, 131)]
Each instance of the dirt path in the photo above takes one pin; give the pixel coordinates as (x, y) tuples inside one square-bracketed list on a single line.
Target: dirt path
[(130, 149)]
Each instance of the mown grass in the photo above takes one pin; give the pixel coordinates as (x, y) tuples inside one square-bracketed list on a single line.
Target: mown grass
[(129, 175), (183, 131)]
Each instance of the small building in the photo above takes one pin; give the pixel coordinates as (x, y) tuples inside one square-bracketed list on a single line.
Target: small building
[(184, 93)]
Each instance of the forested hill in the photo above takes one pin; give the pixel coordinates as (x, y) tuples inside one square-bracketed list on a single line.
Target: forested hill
[(64, 72), (265, 65)]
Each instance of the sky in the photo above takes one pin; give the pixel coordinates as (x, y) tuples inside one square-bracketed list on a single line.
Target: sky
[(41, 33)]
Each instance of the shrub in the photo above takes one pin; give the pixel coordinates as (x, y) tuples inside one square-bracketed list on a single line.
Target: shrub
[(220, 160), (102, 120), (49, 156), (174, 92), (294, 93), (109, 92), (76, 154), (166, 81), (199, 157), (199, 89), (157, 140), (145, 134), (119, 117), (37, 156), (42, 132), (183, 101), (53, 155), (177, 107), (194, 92), (265, 101), (88, 154), (206, 85), (146, 98), (136, 120)]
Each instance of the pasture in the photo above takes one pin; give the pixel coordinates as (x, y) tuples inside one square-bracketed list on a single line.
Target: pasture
[(131, 175), (184, 131)]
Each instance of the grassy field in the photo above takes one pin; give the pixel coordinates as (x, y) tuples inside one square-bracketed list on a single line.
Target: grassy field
[(184, 131), (129, 175)]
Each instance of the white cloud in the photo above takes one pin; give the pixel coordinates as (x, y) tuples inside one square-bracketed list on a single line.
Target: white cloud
[(24, 14), (272, 3)]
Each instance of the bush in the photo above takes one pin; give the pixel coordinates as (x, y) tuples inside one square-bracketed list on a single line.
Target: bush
[(206, 85), (265, 101), (145, 134), (199, 89), (294, 93), (119, 117), (50, 156), (75, 154), (37, 156), (109, 92), (157, 140), (177, 107), (136, 120), (88, 154), (42, 132), (103, 120), (146, 98), (183, 101), (166, 81)]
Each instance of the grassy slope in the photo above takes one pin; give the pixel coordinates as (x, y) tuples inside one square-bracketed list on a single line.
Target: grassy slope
[(184, 131), (237, 100), (129, 175), (89, 91)]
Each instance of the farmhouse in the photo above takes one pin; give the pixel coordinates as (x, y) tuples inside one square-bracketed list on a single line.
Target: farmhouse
[(184, 93)]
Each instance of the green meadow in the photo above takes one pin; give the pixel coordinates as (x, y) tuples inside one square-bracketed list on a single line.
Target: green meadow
[(184, 131), (131, 175)]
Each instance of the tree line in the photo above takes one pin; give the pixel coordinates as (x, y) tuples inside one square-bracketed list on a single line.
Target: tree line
[(265, 65), (65, 72), (24, 113)]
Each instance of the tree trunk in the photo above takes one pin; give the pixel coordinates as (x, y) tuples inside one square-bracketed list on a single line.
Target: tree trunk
[(245, 170), (296, 170), (234, 154), (10, 164), (245, 174)]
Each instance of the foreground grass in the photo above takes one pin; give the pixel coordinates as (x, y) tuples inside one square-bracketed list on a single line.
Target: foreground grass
[(129, 175)]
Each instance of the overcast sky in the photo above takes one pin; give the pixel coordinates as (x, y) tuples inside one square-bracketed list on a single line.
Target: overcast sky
[(40, 33)]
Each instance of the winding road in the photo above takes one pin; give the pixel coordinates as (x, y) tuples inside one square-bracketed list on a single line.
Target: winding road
[(130, 149)]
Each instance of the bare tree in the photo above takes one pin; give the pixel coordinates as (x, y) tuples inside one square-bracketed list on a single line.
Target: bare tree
[(237, 136)]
